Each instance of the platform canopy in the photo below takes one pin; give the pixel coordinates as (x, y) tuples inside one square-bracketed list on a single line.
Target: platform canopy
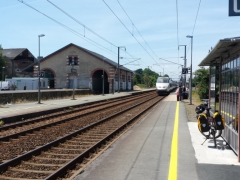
[(226, 48)]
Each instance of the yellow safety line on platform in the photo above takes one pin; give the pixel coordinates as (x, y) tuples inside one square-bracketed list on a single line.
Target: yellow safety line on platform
[(172, 174)]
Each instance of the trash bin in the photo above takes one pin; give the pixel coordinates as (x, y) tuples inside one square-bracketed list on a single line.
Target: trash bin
[(185, 95), (25, 87)]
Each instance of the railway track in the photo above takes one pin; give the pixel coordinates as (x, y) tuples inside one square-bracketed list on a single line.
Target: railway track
[(68, 148), (48, 129), (22, 127)]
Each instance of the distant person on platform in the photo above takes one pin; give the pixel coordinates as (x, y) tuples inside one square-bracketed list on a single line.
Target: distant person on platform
[(179, 93), (180, 90)]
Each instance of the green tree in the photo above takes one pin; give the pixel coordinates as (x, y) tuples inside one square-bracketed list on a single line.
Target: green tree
[(149, 77), (201, 80), (138, 75), (146, 77), (139, 71), (137, 79)]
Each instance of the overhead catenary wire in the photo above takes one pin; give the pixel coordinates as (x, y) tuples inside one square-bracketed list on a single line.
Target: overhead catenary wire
[(194, 23), (177, 21), (75, 32), (83, 36), (128, 30), (85, 27), (142, 36), (68, 28), (196, 16), (177, 29), (170, 61), (136, 28)]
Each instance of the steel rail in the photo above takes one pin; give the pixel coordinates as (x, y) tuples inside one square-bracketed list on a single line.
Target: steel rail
[(78, 107), (15, 161), (22, 133), (61, 171)]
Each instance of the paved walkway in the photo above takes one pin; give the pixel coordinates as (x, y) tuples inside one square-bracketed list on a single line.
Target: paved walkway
[(10, 110), (204, 153), (144, 151)]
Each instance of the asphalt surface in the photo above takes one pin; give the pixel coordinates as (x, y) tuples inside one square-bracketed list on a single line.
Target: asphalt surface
[(144, 151)]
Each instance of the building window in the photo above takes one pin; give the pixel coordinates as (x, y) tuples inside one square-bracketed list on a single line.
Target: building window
[(229, 93), (128, 78), (73, 60), (123, 78), (116, 77)]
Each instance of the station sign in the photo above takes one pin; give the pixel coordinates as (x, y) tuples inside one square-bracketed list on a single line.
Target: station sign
[(73, 70), (184, 70), (41, 74), (234, 7)]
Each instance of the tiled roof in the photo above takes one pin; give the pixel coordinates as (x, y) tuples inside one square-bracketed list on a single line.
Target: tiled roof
[(12, 53)]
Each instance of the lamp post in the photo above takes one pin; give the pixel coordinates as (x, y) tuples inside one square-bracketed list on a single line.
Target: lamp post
[(185, 63), (2, 76), (39, 95), (103, 77), (73, 91), (119, 69), (190, 88)]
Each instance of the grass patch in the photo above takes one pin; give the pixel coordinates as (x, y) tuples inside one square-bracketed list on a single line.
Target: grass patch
[(142, 86), (71, 108), (1, 123), (195, 97), (4, 107)]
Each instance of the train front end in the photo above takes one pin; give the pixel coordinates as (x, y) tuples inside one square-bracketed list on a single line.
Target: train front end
[(162, 86)]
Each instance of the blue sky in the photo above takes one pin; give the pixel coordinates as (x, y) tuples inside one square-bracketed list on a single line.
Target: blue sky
[(150, 30)]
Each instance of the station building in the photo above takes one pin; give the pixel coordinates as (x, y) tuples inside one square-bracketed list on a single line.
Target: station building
[(74, 66), (224, 64), (16, 60)]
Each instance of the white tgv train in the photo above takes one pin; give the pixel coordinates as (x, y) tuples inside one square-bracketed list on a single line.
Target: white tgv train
[(165, 85)]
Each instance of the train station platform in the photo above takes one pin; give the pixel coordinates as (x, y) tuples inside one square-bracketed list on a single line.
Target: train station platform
[(163, 145), (10, 110)]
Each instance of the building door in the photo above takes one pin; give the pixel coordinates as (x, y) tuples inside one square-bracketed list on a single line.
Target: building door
[(49, 74), (97, 83), (73, 82)]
